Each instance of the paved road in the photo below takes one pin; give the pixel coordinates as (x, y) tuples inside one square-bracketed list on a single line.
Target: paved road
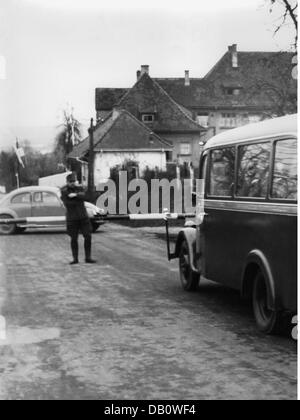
[(124, 329)]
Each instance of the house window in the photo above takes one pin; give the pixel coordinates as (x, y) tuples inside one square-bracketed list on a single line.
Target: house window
[(254, 118), (232, 91), (229, 120), (148, 118), (229, 91), (203, 120), (134, 172), (185, 149), (169, 156)]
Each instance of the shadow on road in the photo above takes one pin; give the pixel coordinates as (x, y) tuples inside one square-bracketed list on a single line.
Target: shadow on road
[(228, 304)]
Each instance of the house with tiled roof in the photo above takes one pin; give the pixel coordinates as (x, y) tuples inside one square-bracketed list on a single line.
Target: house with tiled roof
[(148, 102), (120, 138), (243, 87)]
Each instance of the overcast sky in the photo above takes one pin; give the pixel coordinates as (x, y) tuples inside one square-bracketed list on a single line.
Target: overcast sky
[(56, 52)]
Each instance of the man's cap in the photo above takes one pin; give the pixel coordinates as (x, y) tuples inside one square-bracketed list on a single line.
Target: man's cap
[(71, 178)]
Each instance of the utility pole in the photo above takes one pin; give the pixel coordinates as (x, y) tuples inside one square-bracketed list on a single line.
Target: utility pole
[(91, 180), (17, 165)]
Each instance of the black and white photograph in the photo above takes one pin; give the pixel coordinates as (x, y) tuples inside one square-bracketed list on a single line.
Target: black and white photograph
[(148, 203)]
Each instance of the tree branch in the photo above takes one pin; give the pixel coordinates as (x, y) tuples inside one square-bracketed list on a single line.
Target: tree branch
[(292, 13), (289, 11)]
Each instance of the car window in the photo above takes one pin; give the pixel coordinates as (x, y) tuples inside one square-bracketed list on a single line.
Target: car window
[(38, 197), (49, 198), (21, 199), (221, 179), (253, 170), (285, 176)]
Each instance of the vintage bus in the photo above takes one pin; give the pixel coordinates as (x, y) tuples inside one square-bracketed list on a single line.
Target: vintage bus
[(247, 239)]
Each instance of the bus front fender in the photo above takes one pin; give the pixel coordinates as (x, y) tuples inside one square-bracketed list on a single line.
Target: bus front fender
[(189, 235), (257, 261)]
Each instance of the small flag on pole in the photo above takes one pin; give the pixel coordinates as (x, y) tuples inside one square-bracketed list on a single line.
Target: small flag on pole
[(20, 153), (72, 131)]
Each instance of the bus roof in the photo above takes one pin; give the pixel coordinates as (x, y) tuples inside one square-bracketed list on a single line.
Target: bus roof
[(277, 126)]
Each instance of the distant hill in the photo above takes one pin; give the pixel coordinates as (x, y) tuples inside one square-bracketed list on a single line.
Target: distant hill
[(41, 138)]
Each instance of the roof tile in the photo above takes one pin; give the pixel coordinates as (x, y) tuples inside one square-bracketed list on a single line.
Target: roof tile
[(122, 131)]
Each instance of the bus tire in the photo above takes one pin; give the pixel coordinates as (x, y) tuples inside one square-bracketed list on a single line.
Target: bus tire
[(267, 320), (189, 279), (7, 229)]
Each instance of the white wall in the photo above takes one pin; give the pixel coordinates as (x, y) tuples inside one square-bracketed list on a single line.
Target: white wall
[(58, 180), (107, 160), (192, 139), (216, 121)]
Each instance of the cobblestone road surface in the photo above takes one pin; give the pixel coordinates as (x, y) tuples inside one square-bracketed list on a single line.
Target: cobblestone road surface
[(124, 329)]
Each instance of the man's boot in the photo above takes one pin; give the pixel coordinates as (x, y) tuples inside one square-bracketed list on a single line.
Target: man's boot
[(74, 247), (88, 250)]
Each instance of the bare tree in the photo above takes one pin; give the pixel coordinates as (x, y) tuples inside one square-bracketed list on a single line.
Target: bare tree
[(276, 87), (290, 9), (68, 137)]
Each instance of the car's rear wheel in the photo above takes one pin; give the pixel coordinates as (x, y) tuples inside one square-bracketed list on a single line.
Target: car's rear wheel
[(267, 320), (8, 229), (189, 279)]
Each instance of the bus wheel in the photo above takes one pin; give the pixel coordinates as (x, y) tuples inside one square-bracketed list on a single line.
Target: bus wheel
[(7, 229), (189, 279), (267, 320)]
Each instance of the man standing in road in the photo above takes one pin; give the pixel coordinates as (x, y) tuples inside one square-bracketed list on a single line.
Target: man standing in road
[(73, 197)]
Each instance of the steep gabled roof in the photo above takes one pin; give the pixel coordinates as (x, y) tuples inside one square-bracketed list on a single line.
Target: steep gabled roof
[(258, 76), (147, 96), (187, 96), (122, 132), (106, 98)]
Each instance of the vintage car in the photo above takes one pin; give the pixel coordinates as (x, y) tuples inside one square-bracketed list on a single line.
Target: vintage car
[(39, 207)]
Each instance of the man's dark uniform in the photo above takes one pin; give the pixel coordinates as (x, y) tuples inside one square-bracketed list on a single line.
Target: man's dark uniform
[(77, 220)]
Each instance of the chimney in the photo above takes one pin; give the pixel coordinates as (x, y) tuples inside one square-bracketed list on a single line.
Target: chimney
[(187, 81), (138, 74), (144, 69), (234, 55)]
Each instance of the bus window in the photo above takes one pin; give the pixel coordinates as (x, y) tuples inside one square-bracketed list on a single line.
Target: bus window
[(222, 172), (284, 183), (253, 170)]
